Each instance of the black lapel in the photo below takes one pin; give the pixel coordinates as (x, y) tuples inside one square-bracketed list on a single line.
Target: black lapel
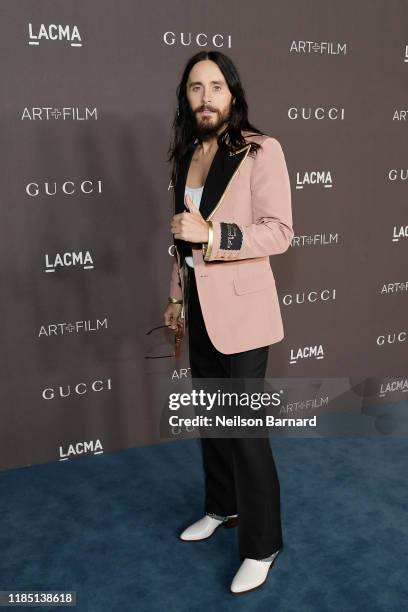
[(222, 169)]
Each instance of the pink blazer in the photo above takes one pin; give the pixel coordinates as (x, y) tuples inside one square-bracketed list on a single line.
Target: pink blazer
[(248, 201)]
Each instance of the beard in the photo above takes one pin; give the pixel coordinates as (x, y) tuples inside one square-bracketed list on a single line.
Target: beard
[(208, 127)]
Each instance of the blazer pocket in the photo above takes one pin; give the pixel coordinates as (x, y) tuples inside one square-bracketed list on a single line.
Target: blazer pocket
[(256, 282)]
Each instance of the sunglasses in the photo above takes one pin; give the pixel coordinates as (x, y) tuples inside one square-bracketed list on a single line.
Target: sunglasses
[(178, 339)]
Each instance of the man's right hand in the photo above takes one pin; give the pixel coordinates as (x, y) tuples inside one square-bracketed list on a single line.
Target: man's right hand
[(172, 315)]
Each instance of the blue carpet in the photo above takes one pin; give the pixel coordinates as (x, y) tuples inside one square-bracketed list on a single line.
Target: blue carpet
[(107, 527)]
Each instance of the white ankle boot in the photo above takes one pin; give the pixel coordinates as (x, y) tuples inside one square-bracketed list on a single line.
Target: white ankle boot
[(205, 527), (251, 575)]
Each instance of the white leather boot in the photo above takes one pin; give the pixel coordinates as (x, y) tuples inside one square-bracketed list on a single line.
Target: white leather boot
[(205, 527), (251, 575)]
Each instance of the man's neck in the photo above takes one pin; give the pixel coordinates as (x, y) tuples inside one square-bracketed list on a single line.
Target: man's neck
[(209, 145)]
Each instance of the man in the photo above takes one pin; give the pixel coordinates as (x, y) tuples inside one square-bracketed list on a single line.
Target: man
[(232, 205)]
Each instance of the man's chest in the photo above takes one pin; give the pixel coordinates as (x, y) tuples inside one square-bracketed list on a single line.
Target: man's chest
[(198, 170)]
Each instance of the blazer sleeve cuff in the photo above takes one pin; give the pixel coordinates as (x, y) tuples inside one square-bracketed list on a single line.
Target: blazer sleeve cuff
[(208, 247), (224, 241)]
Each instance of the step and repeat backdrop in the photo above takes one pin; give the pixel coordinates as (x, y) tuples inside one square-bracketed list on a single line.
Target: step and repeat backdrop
[(89, 97)]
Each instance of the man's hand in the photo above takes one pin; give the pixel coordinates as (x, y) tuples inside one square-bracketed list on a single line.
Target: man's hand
[(190, 226), (172, 315)]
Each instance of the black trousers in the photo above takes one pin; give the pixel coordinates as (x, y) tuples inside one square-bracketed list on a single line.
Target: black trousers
[(240, 473)]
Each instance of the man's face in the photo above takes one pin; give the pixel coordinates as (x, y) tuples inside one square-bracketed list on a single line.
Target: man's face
[(209, 97)]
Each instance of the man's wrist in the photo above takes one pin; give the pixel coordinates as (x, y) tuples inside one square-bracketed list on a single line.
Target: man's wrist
[(173, 300)]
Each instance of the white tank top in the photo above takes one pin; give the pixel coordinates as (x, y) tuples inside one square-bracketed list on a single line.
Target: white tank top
[(195, 194)]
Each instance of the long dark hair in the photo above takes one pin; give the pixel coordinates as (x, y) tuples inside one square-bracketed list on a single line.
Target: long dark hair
[(184, 121)]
